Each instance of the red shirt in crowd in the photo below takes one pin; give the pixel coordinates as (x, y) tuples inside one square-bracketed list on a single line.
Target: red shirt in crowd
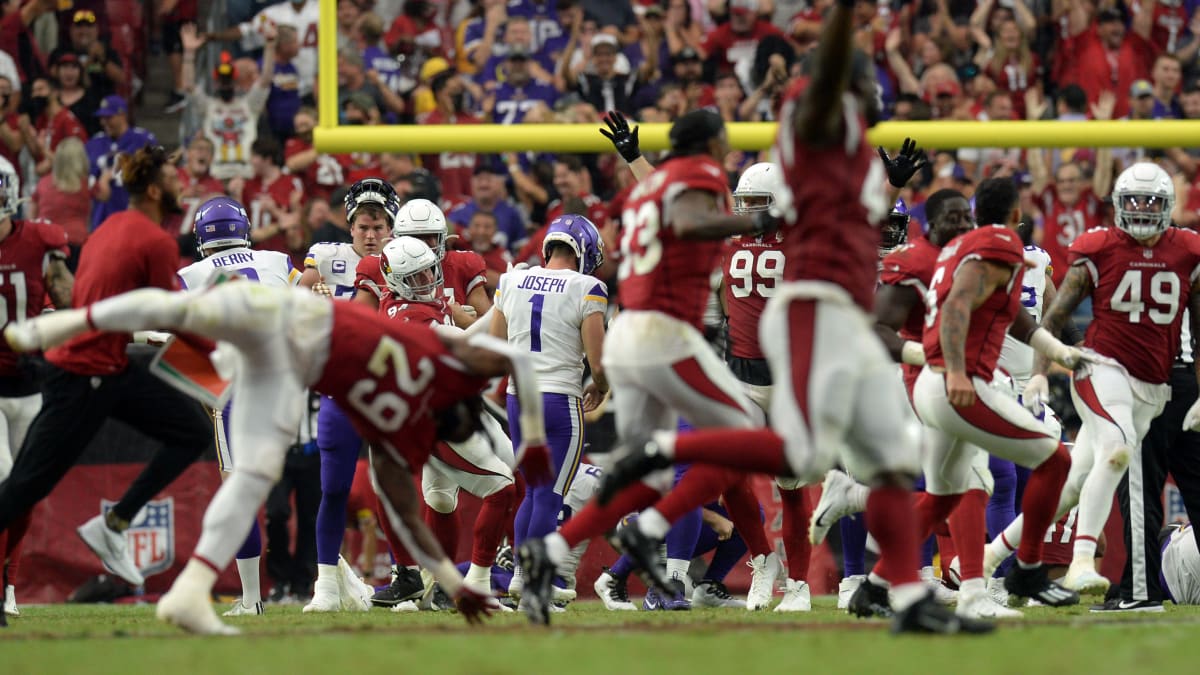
[(728, 47), (71, 210), (323, 176), (1090, 64), (1016, 79), (1063, 224), (255, 197), (453, 169), (62, 126), (128, 251)]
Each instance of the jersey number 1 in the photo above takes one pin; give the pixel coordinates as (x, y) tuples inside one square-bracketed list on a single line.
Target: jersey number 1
[(535, 322)]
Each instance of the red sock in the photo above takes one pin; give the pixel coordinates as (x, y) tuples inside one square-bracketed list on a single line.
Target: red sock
[(968, 526), (891, 521), (700, 485), (399, 554), (510, 520), (932, 511), (1040, 503), (489, 526), (747, 516), (445, 529), (796, 513), (594, 520), (749, 450), (946, 552)]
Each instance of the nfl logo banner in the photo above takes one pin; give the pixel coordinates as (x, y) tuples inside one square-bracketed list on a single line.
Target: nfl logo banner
[(151, 535)]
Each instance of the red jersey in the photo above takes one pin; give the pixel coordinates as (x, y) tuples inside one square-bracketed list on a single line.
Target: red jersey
[(453, 169), (912, 265), (462, 272), (990, 321), (1064, 223), (1092, 66), (62, 126), (324, 175), (752, 270), (126, 252), (1016, 78), (413, 311), (730, 48), (1168, 26), (1058, 548), (255, 195), (1139, 295), (392, 408), (23, 257), (839, 194), (659, 271)]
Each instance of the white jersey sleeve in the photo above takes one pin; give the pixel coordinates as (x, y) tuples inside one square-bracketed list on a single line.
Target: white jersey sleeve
[(544, 310), (336, 264), (265, 267), (1016, 357)]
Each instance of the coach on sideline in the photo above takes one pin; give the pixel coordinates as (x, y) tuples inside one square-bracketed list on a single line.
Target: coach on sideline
[(90, 378)]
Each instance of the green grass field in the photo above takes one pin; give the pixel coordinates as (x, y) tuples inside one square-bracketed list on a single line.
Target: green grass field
[(128, 640)]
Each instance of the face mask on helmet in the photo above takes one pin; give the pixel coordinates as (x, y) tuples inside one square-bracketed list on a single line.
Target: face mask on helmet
[(10, 190), (1142, 200), (373, 191), (894, 231), (422, 219), (411, 269)]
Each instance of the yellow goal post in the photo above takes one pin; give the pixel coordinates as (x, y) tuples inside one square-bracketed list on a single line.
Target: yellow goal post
[(329, 137)]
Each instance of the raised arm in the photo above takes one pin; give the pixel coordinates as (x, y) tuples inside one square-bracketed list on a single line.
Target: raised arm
[(696, 214), (625, 140), (817, 120)]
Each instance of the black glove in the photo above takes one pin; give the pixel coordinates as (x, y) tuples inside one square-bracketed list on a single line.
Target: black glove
[(624, 140), (908, 161)]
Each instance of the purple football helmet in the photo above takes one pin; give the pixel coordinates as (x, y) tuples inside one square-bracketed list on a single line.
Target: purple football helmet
[(895, 229), (221, 222), (581, 235)]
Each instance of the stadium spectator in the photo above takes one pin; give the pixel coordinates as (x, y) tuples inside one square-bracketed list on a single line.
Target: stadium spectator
[(62, 198), (354, 79), (452, 169), (292, 567), (359, 110), (72, 93), (348, 12), (284, 100), (272, 199), (604, 88), (980, 163), (325, 223), (320, 173), (230, 119), (18, 42), (173, 15), (481, 237), (488, 194), (517, 91), (368, 39), (52, 123), (1166, 76), (731, 46), (1103, 56), (116, 138), (616, 14), (196, 181), (1008, 58), (11, 140), (106, 74), (682, 28), (518, 38), (303, 15), (415, 32)]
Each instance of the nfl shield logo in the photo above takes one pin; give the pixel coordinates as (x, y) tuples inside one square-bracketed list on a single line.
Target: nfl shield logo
[(1148, 253), (339, 266), (151, 535)]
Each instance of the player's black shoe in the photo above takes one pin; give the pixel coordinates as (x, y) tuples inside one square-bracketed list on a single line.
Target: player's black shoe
[(927, 616), (1033, 583), (406, 585), (870, 601), (644, 553), (539, 577), (639, 459)]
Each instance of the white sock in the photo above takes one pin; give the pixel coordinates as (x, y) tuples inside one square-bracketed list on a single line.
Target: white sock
[(970, 587), (678, 569), (652, 524), (556, 548), (248, 572), (857, 497), (877, 580), (327, 579), (1096, 497), (1008, 540), (230, 516), (1085, 550), (904, 596), (196, 574), (926, 574), (479, 578)]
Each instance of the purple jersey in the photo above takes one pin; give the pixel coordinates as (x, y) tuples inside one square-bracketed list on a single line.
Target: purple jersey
[(510, 224), (102, 153), (284, 100), (513, 102), (493, 70)]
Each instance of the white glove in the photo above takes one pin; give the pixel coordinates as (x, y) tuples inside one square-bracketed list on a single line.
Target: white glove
[(912, 353), (1191, 421), (1037, 392), (1052, 347), (321, 289)]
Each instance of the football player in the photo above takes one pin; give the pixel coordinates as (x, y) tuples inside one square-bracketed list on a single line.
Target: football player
[(1141, 276), (403, 387), (329, 269), (555, 312), (480, 464), (35, 255), (222, 230)]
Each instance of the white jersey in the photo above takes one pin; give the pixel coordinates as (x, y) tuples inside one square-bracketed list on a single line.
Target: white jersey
[(336, 264), (232, 127), (1181, 566), (304, 20), (545, 310), (1016, 357), (265, 267), (586, 484)]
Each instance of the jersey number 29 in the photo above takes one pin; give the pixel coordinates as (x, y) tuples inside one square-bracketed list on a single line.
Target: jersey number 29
[(384, 409)]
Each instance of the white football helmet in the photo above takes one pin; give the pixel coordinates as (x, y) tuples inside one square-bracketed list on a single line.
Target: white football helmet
[(1142, 200), (10, 189), (411, 269), (762, 188), (421, 218)]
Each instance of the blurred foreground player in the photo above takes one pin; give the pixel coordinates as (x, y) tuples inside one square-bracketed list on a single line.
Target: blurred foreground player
[(836, 393), (402, 385), (91, 379)]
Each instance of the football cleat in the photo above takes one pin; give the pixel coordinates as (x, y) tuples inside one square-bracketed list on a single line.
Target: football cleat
[(239, 609), (678, 600), (406, 606), (869, 601), (1083, 578), (1118, 605), (714, 594), (941, 593), (983, 606), (613, 593), (562, 596), (652, 602), (188, 606), (1033, 583), (797, 597), (766, 569), (927, 616), (10, 601), (326, 596), (111, 548), (995, 588), (355, 594), (846, 589), (831, 507), (539, 577), (406, 585), (645, 554), (637, 460)]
